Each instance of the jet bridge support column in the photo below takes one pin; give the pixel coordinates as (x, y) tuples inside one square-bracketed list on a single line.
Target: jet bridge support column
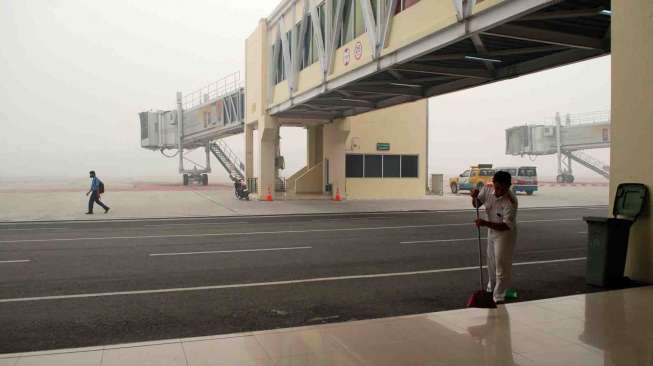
[(180, 131), (565, 174), (249, 150), (207, 150), (269, 139)]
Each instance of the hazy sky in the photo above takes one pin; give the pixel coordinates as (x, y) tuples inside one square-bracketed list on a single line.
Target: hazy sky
[(74, 75)]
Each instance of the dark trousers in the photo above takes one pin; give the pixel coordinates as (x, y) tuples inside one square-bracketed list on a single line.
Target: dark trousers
[(95, 197)]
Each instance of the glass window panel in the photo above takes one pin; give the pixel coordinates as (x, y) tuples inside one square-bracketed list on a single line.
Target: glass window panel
[(354, 166), (308, 44), (391, 166), (409, 3), (409, 166), (347, 31), (359, 22), (373, 166), (322, 15)]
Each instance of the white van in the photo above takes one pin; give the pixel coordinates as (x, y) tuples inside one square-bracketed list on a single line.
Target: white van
[(524, 178)]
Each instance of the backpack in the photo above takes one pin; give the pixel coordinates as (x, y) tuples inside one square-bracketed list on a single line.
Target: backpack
[(100, 188)]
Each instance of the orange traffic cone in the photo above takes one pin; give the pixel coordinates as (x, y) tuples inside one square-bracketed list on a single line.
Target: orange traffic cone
[(337, 198), (269, 196)]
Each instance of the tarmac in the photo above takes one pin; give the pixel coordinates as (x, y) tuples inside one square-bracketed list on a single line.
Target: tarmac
[(66, 200), (89, 283)]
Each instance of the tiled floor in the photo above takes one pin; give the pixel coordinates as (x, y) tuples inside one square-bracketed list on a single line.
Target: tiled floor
[(608, 328)]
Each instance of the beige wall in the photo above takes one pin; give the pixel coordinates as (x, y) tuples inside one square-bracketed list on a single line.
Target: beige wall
[(632, 124), (314, 143), (310, 181), (405, 128), (339, 65), (335, 135), (256, 81), (418, 21), (256, 73), (485, 4)]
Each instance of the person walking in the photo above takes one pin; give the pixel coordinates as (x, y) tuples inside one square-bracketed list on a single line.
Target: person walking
[(97, 188), (501, 209)]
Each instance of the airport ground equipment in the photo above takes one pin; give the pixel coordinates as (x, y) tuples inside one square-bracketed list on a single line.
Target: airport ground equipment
[(477, 176), (201, 120), (568, 141)]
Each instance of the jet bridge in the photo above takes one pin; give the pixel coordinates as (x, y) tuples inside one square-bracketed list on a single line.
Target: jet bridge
[(567, 140), (201, 119)]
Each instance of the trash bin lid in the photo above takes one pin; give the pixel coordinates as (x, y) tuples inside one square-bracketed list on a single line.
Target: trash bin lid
[(629, 200)]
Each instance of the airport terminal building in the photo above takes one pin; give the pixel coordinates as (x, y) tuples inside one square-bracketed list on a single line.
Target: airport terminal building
[(355, 147)]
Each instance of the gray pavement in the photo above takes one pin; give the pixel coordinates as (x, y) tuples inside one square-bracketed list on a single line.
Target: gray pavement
[(140, 200), (72, 284)]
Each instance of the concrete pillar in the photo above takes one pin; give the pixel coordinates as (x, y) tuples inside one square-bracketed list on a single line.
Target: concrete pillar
[(314, 145), (268, 133), (632, 130), (335, 136), (249, 150)]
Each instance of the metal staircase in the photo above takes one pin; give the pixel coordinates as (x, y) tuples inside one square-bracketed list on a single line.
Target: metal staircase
[(590, 162), (228, 159)]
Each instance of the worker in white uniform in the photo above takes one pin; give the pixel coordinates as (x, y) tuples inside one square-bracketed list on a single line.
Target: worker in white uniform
[(501, 208)]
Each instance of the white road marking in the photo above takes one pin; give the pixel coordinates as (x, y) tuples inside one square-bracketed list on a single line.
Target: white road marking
[(229, 234), (438, 241), (547, 220), (16, 261), (255, 232), (36, 228), (230, 251), (290, 215), (199, 223), (273, 283)]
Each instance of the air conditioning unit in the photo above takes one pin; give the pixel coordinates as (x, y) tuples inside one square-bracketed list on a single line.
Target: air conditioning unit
[(549, 131)]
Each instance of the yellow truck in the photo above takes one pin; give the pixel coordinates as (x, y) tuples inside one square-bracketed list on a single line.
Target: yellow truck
[(476, 176)]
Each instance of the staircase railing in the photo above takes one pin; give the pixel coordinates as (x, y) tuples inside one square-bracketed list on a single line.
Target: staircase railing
[(232, 164), (591, 162)]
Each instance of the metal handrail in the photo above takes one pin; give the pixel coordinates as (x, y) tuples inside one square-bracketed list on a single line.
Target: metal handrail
[(587, 118), (577, 118), (213, 91), (598, 164), (230, 155)]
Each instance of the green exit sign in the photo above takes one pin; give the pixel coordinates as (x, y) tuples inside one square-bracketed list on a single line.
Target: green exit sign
[(382, 146)]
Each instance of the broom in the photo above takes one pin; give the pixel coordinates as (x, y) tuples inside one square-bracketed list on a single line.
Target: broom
[(481, 298)]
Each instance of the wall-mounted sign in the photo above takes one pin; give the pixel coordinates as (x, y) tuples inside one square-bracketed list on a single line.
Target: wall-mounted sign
[(358, 50), (382, 146), (346, 56)]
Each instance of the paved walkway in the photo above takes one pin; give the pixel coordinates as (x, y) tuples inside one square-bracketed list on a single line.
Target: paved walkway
[(606, 328), (141, 200)]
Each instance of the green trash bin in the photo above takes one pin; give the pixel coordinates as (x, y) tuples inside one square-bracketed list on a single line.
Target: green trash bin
[(607, 243)]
